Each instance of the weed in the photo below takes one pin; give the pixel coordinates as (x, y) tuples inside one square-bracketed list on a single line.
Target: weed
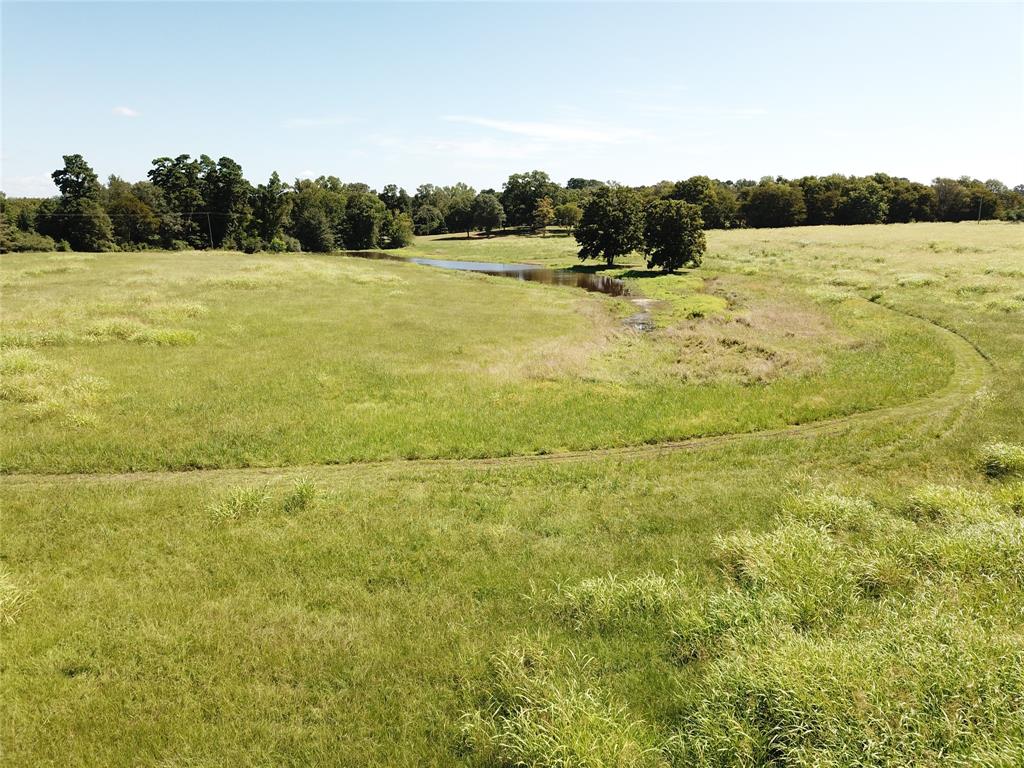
[(300, 497), (1002, 459), (242, 502)]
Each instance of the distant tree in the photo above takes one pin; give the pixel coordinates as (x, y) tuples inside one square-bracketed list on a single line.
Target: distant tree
[(612, 224), (318, 215), (396, 199), (181, 188), (862, 201), (543, 214), (226, 198), (271, 204), (488, 213), (396, 231), (364, 216), (77, 180), (521, 193), (580, 184), (428, 220), (78, 215), (17, 226), (773, 204), (673, 235), (438, 198), (717, 202), (568, 215), (821, 197), (460, 208), (964, 199), (910, 201), (134, 221)]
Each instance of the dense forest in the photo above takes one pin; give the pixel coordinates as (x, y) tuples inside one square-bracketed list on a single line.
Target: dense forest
[(201, 203)]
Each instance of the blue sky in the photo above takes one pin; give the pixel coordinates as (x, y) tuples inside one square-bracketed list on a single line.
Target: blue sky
[(475, 91)]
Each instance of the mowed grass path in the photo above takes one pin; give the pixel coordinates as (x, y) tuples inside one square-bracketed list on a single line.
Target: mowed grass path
[(186, 360), (229, 618)]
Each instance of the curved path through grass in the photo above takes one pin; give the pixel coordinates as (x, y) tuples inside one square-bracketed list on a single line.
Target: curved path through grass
[(970, 374)]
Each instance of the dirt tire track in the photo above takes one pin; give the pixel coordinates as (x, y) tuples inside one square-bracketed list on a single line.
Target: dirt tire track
[(971, 372)]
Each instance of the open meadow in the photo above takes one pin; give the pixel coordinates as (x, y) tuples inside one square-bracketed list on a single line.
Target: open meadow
[(298, 509)]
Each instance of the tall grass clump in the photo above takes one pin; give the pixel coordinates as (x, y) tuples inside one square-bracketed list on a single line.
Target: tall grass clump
[(242, 502), (136, 332), (541, 711), (300, 497), (850, 634), (44, 389), (611, 603), (1002, 459), (12, 598)]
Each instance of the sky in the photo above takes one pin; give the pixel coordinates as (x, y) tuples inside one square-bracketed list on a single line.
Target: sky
[(416, 93)]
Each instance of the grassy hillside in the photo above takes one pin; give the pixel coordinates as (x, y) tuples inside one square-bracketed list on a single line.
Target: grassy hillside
[(829, 595)]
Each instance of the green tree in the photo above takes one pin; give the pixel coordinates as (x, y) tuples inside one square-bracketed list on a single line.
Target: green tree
[(543, 214), (568, 215), (773, 204), (396, 231), (821, 197), (271, 204), (134, 221), (910, 201), (181, 187), (717, 202), (488, 213), (863, 201), (317, 214), (521, 193), (460, 208), (77, 180), (673, 235), (436, 198), (396, 199), (612, 224), (427, 220), (364, 216), (78, 216), (226, 197)]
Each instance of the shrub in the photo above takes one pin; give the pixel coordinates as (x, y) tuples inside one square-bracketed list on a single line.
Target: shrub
[(932, 503), (12, 598), (1000, 459), (611, 603), (301, 497), (241, 502), (539, 711)]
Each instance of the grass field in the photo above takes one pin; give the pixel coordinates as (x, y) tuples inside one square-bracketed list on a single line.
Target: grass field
[(439, 522)]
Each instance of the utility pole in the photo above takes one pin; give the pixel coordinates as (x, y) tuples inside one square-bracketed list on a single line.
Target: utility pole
[(209, 228)]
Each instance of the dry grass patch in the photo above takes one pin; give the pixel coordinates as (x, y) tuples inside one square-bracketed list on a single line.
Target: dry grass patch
[(44, 389), (12, 598)]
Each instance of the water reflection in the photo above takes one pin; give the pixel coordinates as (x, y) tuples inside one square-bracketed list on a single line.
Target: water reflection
[(588, 281)]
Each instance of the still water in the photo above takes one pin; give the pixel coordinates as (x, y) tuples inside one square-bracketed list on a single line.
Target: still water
[(588, 281)]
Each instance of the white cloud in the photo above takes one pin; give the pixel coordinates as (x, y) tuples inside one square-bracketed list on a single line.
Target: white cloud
[(560, 132), (125, 112), (38, 185), (316, 122)]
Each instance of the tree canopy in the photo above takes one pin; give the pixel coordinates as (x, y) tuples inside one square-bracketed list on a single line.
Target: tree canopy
[(673, 235), (188, 202), (611, 225)]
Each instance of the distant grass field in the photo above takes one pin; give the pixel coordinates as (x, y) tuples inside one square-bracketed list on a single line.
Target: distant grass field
[(834, 597), (200, 360)]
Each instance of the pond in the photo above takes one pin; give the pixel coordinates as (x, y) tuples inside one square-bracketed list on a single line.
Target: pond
[(588, 281)]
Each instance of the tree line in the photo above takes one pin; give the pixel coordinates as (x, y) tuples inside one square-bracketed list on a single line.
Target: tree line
[(197, 203)]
